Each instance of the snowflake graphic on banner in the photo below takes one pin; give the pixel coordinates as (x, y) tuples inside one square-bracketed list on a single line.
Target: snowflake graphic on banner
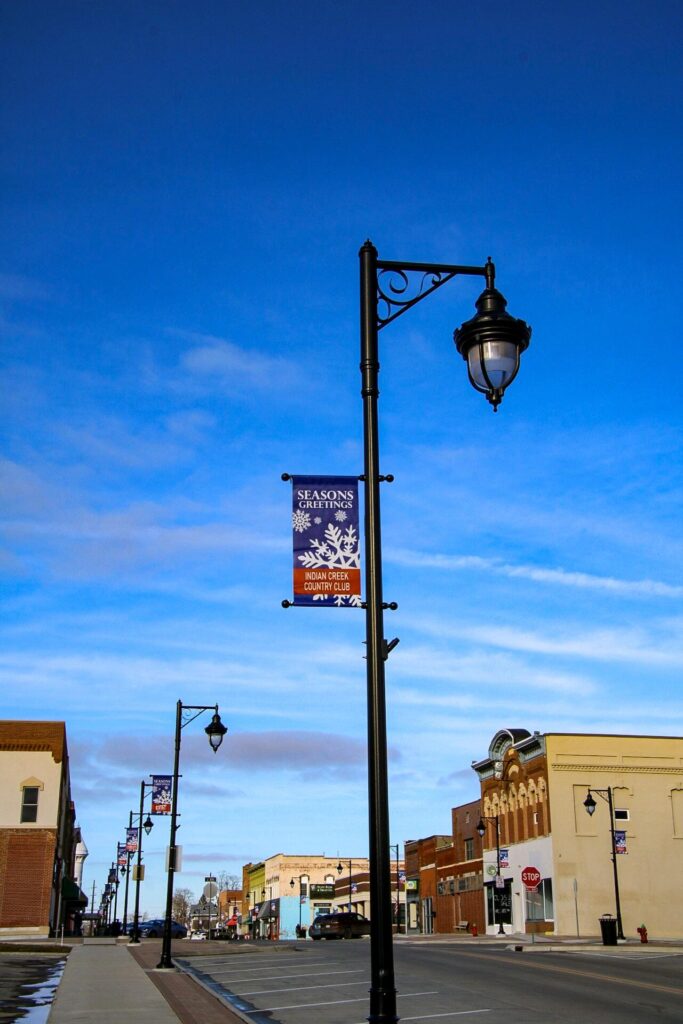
[(339, 550), (301, 521)]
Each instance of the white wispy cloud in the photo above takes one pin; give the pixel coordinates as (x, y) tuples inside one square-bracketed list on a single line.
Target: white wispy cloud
[(111, 442), (537, 574), (481, 669), (222, 364), (20, 288), (661, 644)]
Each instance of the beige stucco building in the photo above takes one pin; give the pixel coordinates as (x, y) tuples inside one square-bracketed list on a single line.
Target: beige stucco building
[(285, 892), (39, 839), (533, 792)]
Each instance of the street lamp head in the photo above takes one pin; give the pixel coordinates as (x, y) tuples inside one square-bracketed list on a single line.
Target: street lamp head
[(215, 730), (492, 343), (291, 884), (122, 869), (148, 825), (481, 827), (340, 868), (589, 803)]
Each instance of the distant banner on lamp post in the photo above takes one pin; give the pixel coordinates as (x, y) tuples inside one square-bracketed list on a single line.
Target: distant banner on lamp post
[(326, 541), (122, 854), (620, 842), (132, 840), (161, 794)]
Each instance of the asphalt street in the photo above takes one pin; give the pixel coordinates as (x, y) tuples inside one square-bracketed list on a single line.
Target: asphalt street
[(328, 982)]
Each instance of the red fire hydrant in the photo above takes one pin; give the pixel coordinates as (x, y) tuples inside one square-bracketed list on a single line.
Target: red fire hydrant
[(642, 931), (473, 930)]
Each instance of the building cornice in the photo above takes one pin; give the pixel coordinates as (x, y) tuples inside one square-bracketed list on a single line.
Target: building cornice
[(630, 769)]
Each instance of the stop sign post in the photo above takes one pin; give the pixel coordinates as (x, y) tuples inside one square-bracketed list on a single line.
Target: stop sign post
[(531, 879)]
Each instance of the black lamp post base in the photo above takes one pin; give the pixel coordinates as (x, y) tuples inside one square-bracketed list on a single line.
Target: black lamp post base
[(383, 1007)]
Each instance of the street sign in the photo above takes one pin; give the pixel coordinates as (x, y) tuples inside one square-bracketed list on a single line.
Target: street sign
[(531, 879)]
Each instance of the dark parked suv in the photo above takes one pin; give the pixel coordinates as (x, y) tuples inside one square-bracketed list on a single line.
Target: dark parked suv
[(339, 926), (155, 929)]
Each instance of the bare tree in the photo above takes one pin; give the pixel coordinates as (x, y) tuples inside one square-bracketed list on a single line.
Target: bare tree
[(228, 881), (182, 901)]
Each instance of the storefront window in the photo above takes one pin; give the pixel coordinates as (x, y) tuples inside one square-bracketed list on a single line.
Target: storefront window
[(539, 904)]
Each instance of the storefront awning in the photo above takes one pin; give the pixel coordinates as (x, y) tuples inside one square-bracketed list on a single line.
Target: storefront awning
[(267, 911), (72, 894)]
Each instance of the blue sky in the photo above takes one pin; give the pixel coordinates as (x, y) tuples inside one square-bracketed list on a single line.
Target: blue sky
[(185, 188)]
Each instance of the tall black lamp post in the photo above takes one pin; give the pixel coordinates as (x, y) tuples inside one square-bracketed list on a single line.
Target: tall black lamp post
[(125, 872), (340, 868), (215, 730), (301, 897), (392, 847), (589, 804), (481, 829), (147, 825), (270, 909), (491, 343), (114, 879)]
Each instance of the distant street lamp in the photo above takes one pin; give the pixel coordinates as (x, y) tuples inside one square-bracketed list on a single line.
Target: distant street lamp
[(395, 846), (301, 898), (215, 731), (340, 868), (491, 343), (589, 804), (270, 909), (481, 829), (147, 825)]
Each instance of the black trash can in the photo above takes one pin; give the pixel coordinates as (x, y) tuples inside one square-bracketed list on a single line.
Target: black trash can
[(608, 927)]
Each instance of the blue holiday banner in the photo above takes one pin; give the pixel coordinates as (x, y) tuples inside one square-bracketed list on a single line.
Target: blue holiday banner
[(161, 794), (326, 541), (132, 840), (122, 854)]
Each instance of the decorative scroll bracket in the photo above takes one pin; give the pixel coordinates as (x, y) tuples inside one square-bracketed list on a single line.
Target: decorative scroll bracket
[(402, 285)]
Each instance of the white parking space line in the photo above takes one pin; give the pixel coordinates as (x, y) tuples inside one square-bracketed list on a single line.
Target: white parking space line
[(300, 988), (282, 977), (335, 1002), (454, 1013), (242, 968), (257, 963), (306, 1006)]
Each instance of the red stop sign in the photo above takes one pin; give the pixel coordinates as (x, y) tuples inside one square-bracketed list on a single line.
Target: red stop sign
[(531, 878)]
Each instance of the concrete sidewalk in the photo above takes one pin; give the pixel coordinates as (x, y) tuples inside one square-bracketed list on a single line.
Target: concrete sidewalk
[(104, 983)]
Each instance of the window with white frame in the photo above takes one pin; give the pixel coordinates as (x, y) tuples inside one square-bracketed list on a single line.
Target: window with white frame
[(29, 804)]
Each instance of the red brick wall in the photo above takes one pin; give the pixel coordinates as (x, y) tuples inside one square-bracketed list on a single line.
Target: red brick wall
[(26, 865)]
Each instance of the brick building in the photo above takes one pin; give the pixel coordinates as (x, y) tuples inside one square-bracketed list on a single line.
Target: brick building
[(444, 877), (534, 792), (38, 832)]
